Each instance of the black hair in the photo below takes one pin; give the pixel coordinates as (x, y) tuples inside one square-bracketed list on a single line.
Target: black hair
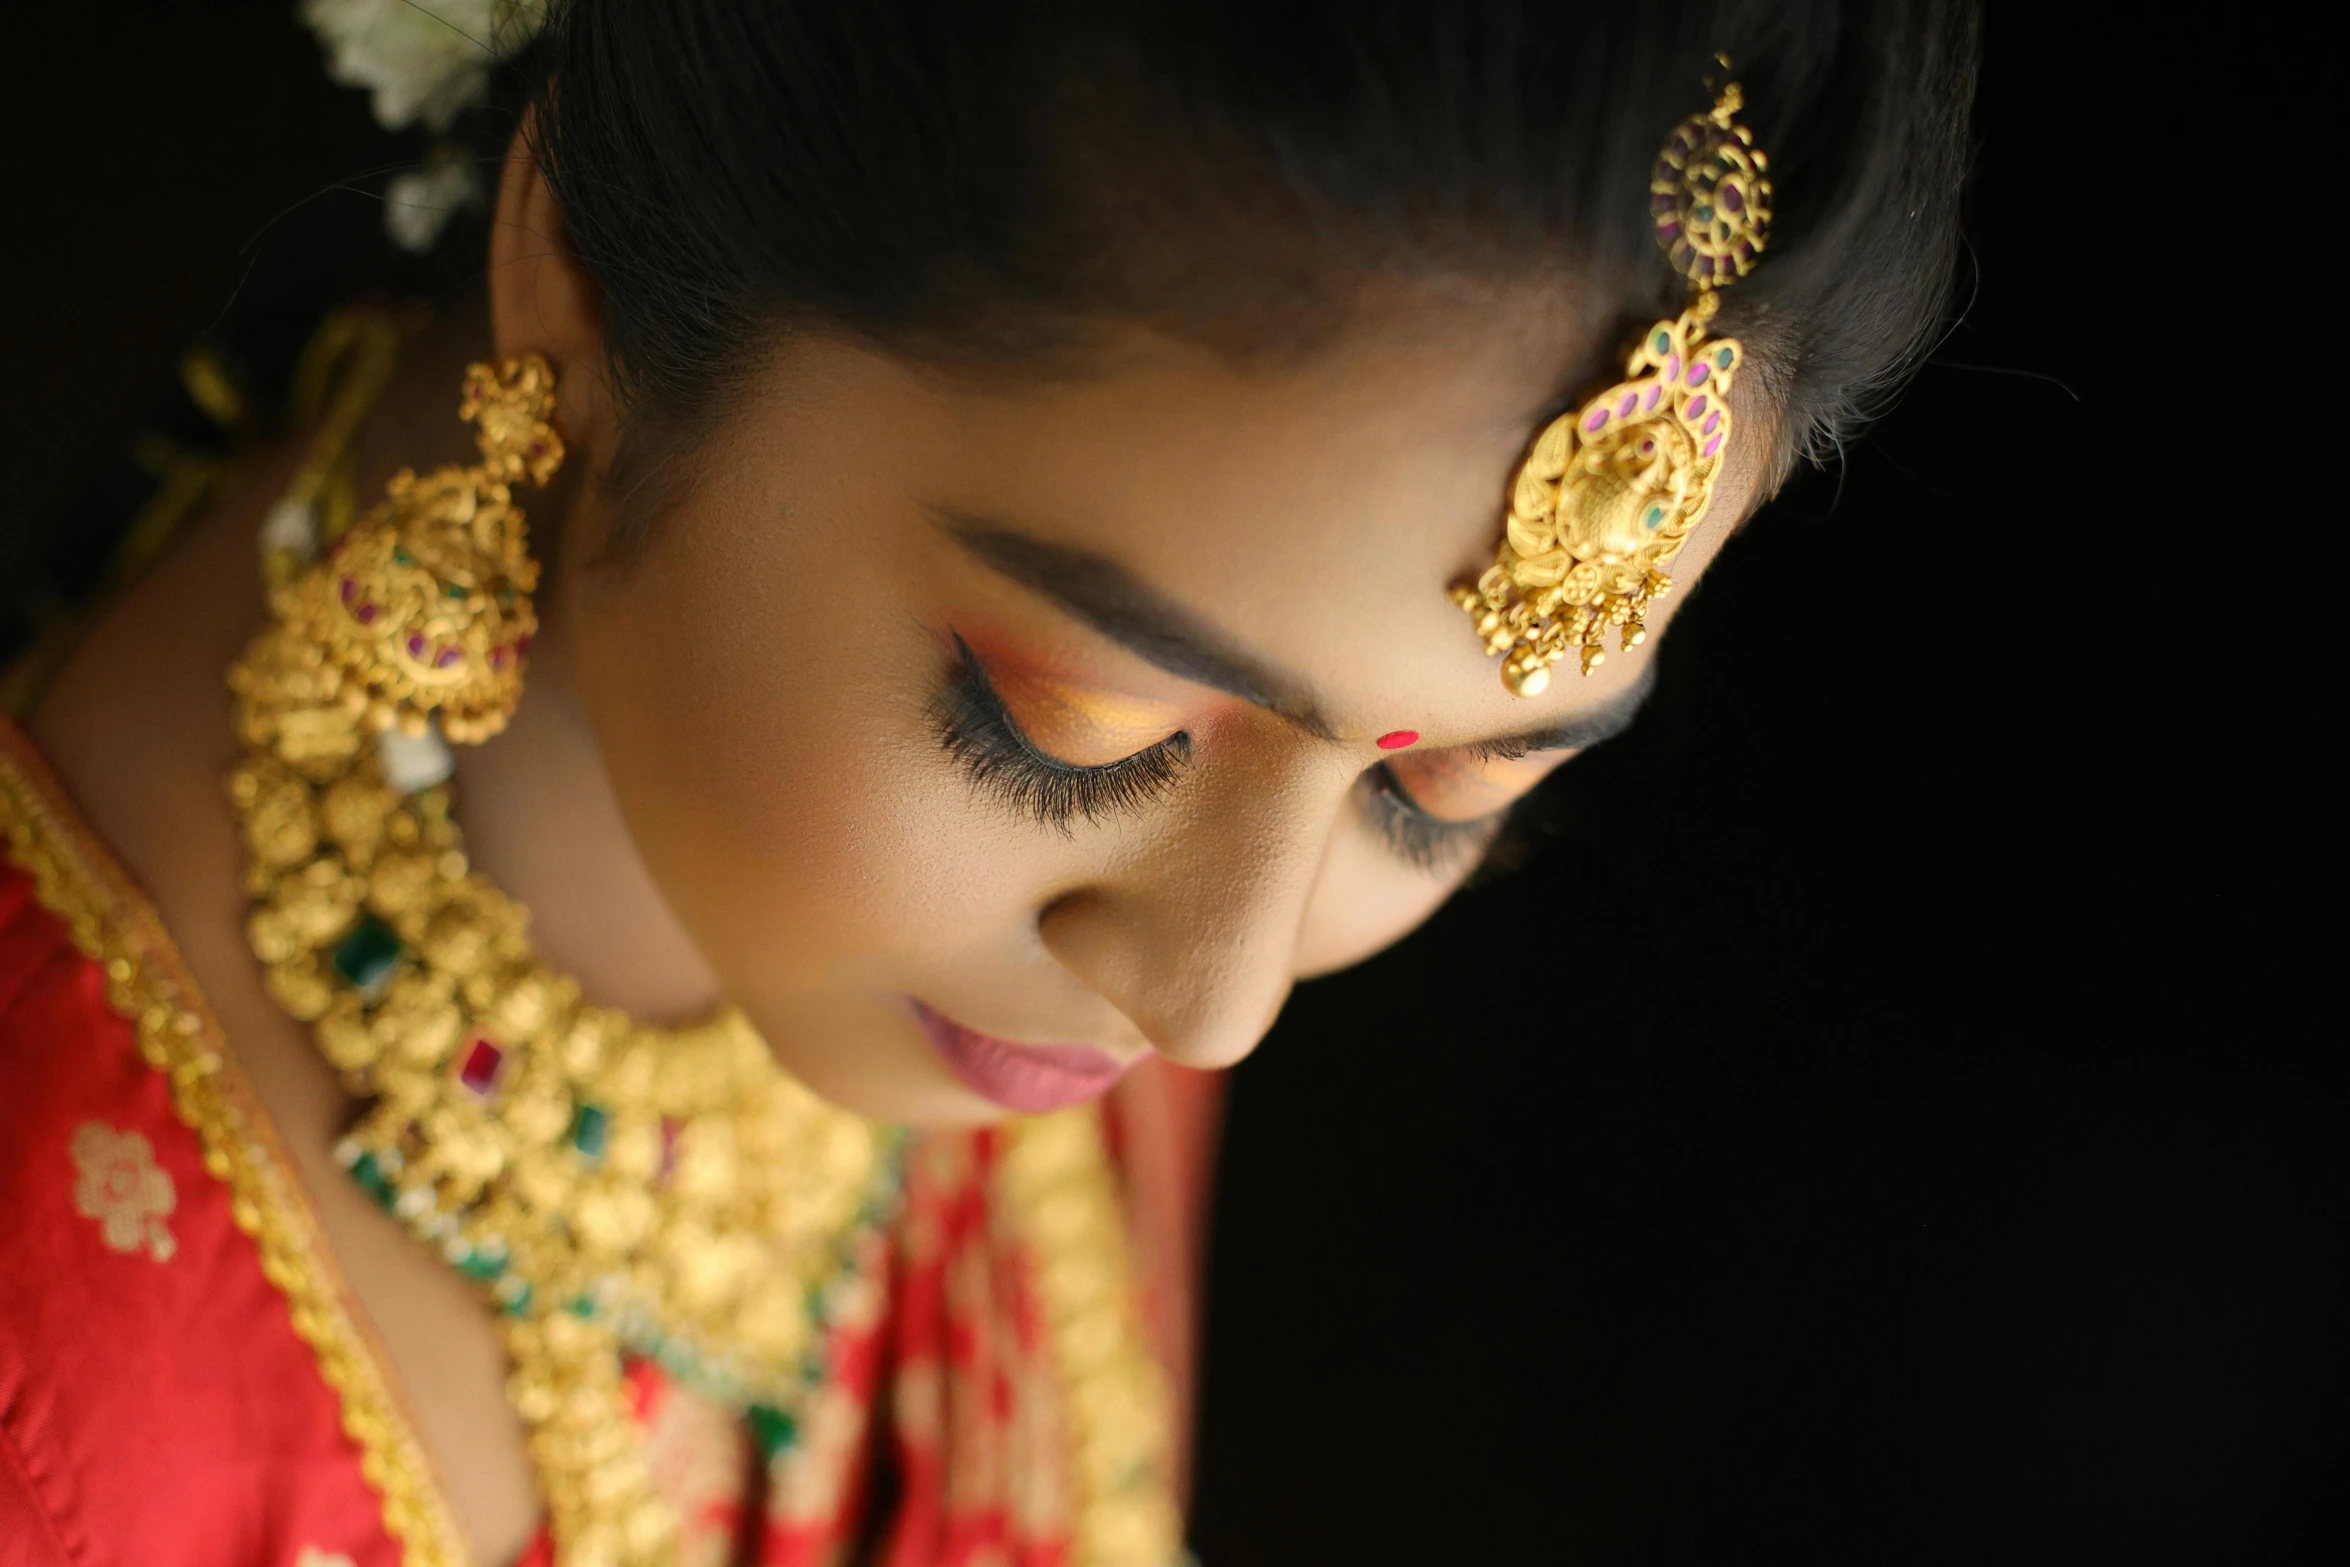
[(976, 179)]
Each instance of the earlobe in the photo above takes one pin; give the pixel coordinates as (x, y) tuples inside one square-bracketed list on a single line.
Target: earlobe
[(541, 299)]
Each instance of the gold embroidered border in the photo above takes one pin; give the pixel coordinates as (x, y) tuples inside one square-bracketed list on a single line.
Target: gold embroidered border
[(145, 981), (1056, 1175)]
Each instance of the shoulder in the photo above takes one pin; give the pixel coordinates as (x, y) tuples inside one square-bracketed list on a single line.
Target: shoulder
[(157, 1403)]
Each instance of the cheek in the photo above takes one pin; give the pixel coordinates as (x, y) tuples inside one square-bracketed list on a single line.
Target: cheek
[(771, 749), (1364, 900)]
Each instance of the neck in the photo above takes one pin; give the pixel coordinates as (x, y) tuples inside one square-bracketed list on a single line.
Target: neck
[(542, 823)]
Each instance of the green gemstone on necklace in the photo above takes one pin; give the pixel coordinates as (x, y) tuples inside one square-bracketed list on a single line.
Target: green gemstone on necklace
[(482, 1266), (591, 1128), (771, 1428), (366, 957), (370, 1176)]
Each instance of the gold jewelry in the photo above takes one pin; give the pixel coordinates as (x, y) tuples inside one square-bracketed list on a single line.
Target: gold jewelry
[(1612, 490), (426, 613), (611, 1186)]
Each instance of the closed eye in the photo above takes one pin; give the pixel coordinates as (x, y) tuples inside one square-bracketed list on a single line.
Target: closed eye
[(1426, 842), (979, 732)]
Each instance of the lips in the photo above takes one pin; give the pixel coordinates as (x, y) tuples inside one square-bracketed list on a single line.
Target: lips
[(1028, 1079)]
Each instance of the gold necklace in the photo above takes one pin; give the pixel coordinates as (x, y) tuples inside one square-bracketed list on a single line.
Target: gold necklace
[(612, 1187)]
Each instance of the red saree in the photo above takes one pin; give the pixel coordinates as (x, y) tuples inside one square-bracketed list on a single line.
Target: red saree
[(185, 1379)]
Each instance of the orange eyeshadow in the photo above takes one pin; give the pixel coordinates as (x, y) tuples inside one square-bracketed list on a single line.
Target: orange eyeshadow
[(1083, 725)]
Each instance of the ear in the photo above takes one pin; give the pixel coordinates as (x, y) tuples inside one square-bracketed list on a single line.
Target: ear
[(543, 301)]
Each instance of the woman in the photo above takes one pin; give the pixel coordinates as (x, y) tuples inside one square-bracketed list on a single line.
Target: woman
[(683, 1040)]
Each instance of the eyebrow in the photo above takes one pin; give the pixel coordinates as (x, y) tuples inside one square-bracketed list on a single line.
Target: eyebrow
[(1113, 601), (1130, 612)]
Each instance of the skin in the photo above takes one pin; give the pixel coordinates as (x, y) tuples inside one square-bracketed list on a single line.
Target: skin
[(729, 781)]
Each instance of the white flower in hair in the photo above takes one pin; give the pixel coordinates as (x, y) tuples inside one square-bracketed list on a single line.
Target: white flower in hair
[(419, 202), (425, 60)]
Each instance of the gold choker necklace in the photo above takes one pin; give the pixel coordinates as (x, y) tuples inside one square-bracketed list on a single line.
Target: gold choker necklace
[(612, 1187)]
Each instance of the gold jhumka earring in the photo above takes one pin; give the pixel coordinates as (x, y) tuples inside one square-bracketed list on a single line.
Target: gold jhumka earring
[(1612, 490), (611, 1187), (425, 615)]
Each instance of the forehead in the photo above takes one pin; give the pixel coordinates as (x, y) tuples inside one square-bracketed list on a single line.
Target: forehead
[(1313, 512)]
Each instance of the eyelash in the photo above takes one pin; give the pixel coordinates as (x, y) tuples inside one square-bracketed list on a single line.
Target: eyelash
[(978, 732), (1426, 842)]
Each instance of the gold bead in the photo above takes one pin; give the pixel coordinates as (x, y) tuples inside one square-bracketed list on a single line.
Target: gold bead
[(1525, 679), (300, 987), (271, 936)]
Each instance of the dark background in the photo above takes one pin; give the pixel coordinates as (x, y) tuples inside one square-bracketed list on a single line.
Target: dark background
[(1895, 1120)]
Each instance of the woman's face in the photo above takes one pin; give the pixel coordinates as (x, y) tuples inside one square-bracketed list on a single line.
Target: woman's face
[(986, 736), (954, 720)]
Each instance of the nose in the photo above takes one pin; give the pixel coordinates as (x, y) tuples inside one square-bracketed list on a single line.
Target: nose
[(1195, 940)]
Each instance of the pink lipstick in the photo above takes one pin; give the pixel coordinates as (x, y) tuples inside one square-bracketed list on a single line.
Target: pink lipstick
[(1029, 1079)]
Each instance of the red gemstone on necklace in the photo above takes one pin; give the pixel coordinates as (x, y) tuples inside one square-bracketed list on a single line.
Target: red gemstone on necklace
[(480, 1071), (1397, 739)]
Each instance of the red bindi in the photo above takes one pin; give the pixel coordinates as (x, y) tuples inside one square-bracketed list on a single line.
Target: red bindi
[(1397, 739)]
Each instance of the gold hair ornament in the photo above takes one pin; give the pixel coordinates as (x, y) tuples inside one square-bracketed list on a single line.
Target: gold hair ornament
[(1612, 490)]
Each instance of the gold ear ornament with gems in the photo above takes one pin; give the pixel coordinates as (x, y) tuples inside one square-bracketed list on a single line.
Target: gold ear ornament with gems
[(421, 615)]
